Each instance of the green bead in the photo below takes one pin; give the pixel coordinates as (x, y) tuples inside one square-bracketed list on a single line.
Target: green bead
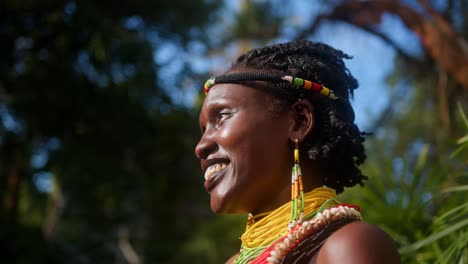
[(209, 82), (298, 82)]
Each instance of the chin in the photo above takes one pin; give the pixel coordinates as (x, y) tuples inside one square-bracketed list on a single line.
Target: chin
[(218, 208), (221, 206)]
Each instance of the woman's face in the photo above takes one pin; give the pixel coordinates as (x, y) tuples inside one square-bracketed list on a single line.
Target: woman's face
[(244, 150)]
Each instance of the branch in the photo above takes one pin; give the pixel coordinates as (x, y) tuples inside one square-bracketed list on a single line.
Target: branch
[(14, 180), (405, 56), (439, 39), (126, 248), (54, 210), (439, 20)]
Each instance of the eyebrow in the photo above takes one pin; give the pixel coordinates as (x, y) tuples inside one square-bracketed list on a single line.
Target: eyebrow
[(215, 103)]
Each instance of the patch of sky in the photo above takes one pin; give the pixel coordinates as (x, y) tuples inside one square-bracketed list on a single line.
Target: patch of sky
[(458, 16), (171, 59), (164, 108), (194, 33), (23, 43), (85, 67), (439, 5), (69, 8), (166, 52), (426, 197), (20, 67), (401, 171), (40, 154), (53, 144), (299, 14), (122, 72), (372, 61), (169, 56), (233, 5), (43, 181), (133, 23), (175, 62), (398, 166), (9, 122), (393, 27), (417, 147), (195, 49), (391, 197), (398, 197), (22, 46), (39, 158)]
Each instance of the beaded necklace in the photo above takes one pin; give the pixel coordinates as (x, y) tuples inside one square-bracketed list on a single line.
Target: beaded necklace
[(259, 235)]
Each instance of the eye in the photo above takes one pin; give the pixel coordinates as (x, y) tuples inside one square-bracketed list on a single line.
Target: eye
[(224, 112), (223, 115)]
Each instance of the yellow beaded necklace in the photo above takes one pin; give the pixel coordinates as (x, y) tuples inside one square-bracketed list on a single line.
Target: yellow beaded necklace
[(274, 225)]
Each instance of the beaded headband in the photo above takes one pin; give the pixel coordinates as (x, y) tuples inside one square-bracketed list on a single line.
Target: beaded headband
[(261, 76)]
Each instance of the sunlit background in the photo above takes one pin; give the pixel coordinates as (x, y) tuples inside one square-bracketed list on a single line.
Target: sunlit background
[(98, 122)]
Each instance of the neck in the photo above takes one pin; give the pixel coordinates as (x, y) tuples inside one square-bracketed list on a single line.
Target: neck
[(266, 228)]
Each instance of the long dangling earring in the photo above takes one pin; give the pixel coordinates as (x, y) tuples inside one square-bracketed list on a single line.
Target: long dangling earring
[(297, 190)]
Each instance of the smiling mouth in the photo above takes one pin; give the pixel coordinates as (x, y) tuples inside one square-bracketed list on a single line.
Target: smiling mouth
[(213, 169)]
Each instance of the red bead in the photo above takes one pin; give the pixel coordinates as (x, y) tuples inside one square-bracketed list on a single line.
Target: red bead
[(316, 87)]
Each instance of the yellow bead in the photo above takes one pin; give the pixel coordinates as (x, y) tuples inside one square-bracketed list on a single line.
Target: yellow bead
[(325, 91)]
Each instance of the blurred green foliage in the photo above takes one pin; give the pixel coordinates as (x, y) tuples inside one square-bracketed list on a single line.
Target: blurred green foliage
[(96, 157), (85, 118)]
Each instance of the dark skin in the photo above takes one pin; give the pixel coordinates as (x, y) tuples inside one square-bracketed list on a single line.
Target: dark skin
[(239, 132), (253, 151)]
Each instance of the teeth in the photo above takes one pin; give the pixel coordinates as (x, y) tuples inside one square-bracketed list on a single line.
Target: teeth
[(211, 170)]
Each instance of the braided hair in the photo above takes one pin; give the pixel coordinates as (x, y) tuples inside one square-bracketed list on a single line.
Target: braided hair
[(335, 140)]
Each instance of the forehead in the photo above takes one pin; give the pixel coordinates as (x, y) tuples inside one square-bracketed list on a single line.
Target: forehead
[(235, 94)]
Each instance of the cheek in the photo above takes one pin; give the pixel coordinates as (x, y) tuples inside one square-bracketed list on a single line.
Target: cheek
[(254, 142), (240, 142), (262, 145), (235, 135)]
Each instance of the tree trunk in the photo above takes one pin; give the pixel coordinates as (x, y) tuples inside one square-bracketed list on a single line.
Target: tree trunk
[(11, 198), (437, 35)]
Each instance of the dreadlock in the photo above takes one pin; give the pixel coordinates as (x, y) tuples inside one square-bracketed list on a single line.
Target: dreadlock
[(335, 138)]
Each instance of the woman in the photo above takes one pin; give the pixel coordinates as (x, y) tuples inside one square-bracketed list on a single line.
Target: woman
[(279, 141)]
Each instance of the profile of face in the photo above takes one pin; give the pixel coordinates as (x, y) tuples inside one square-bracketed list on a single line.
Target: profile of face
[(245, 150)]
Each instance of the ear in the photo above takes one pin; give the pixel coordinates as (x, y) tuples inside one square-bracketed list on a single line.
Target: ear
[(301, 120)]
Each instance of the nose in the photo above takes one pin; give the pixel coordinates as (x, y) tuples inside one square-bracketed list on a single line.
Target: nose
[(205, 146)]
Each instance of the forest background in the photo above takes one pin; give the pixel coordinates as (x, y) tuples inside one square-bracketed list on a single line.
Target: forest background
[(98, 122)]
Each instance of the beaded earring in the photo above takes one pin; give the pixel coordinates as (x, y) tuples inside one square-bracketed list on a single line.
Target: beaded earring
[(297, 190)]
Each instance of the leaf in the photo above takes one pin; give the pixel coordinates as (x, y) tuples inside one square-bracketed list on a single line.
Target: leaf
[(462, 114), (462, 140), (432, 238), (462, 188)]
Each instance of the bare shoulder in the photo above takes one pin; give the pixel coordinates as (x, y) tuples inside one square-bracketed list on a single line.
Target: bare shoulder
[(358, 242)]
